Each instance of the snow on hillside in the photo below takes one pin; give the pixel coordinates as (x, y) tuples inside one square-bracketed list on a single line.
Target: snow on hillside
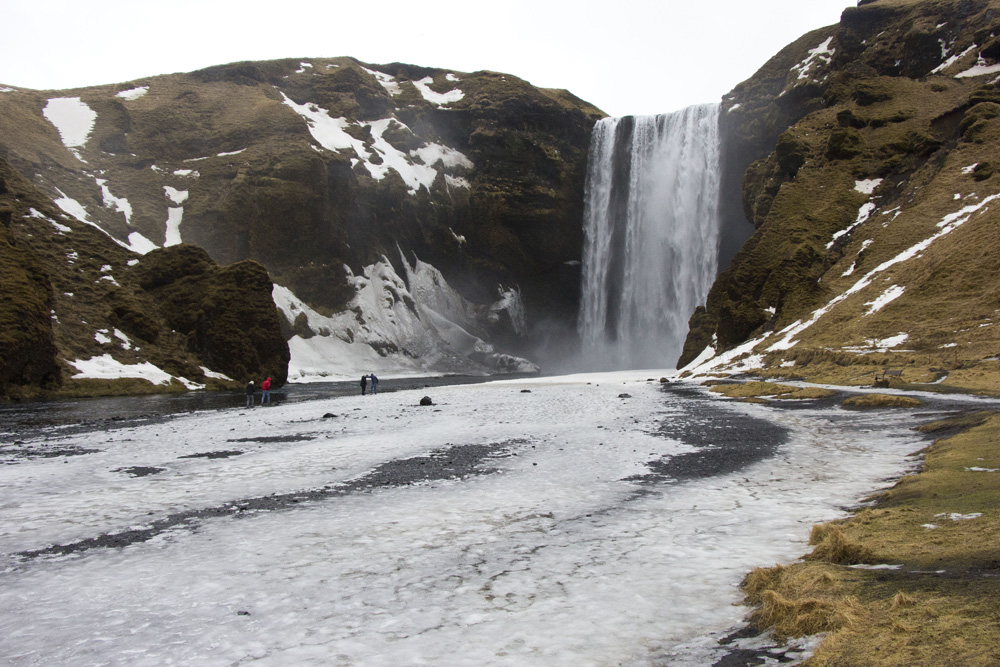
[(818, 57), (440, 99), (948, 224), (418, 168), (105, 367), (73, 119), (386, 80), (133, 93), (390, 328)]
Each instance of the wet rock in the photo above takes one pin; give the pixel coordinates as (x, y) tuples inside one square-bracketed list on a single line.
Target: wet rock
[(426, 400), (139, 471), (329, 415), (624, 395), (222, 454)]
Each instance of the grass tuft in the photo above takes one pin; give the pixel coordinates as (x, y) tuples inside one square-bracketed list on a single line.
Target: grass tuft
[(881, 401), (833, 546)]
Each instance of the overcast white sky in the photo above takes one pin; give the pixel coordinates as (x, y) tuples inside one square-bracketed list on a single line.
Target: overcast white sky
[(624, 56)]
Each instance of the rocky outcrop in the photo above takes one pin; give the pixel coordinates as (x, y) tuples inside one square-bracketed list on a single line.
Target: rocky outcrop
[(27, 345), (82, 315), (877, 183), (225, 313)]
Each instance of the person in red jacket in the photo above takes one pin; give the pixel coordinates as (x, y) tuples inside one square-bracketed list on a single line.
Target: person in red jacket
[(265, 388)]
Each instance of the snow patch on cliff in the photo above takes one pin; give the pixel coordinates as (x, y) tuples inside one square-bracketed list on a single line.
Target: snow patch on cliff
[(119, 204), (105, 367), (73, 119), (819, 56), (981, 68), (440, 99), (133, 93), (393, 329), (884, 299), (387, 80), (418, 168)]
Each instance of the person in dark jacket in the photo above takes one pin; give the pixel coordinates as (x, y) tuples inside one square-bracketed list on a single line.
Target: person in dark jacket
[(364, 384), (374, 383), (265, 392), (250, 390)]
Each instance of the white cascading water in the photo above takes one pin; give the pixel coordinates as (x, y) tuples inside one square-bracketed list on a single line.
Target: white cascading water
[(651, 228)]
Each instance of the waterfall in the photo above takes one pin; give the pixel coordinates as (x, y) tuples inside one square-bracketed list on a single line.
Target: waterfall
[(651, 235)]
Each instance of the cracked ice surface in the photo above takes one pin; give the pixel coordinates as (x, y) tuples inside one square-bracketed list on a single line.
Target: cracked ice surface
[(555, 559)]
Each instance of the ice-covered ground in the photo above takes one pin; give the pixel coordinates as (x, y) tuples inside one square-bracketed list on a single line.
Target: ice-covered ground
[(549, 555)]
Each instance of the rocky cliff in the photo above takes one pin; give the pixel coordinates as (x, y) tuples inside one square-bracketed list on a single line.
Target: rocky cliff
[(868, 152), (331, 173), (81, 315)]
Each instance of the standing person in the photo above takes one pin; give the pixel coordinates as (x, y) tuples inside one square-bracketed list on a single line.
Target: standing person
[(364, 384), (374, 384), (250, 390), (265, 388)]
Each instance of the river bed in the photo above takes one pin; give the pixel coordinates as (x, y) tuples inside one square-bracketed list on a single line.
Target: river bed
[(599, 519)]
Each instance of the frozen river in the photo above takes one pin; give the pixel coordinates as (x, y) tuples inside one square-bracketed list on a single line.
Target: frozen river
[(584, 520)]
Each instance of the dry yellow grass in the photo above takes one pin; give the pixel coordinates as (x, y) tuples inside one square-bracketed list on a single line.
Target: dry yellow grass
[(941, 528), (882, 401), (757, 390)]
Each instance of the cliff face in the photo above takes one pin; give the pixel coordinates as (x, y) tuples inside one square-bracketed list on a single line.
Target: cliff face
[(79, 314), (873, 206), (322, 169)]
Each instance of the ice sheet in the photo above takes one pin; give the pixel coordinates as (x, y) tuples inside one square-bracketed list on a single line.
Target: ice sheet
[(556, 558)]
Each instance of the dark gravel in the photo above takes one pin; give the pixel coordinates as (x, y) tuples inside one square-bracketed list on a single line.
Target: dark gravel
[(727, 441), (452, 462)]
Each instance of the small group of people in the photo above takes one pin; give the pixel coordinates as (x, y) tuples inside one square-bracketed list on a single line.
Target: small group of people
[(265, 392), (364, 383)]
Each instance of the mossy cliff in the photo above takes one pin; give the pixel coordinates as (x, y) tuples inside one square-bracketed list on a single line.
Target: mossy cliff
[(871, 190), (308, 166), (70, 293)]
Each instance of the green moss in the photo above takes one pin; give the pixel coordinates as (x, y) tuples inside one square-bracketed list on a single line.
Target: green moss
[(226, 314), (844, 144), (791, 153), (27, 345), (870, 92)]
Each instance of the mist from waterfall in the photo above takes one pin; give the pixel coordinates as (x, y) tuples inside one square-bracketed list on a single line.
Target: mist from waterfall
[(651, 228)]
